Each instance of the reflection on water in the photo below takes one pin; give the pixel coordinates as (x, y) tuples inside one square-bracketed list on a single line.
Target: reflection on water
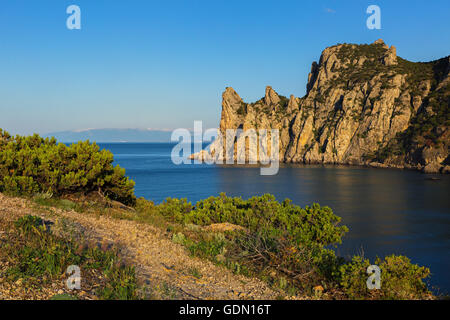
[(387, 211)]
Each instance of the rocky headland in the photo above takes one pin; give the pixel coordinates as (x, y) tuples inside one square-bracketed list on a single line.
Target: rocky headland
[(364, 105)]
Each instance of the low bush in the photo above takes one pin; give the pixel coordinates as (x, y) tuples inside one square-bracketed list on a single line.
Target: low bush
[(284, 244), (174, 210), (400, 279), (312, 224), (36, 255), (282, 236), (30, 165)]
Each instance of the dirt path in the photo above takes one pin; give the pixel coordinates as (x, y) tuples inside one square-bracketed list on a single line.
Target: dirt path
[(161, 265)]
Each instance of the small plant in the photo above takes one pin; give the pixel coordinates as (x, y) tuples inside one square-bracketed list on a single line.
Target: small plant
[(400, 279), (179, 238), (36, 255), (195, 273), (208, 248), (352, 277), (283, 283), (121, 284), (29, 223)]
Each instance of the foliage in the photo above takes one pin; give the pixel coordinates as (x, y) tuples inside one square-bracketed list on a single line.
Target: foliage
[(36, 254), (30, 165), (284, 244), (27, 224), (352, 277), (278, 241), (400, 279), (121, 284), (428, 124), (266, 215), (174, 209), (282, 236), (208, 247), (242, 110)]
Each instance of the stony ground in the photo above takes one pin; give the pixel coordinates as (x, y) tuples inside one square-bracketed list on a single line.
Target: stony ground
[(164, 269)]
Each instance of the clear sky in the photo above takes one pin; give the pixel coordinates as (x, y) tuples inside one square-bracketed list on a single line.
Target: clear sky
[(164, 64)]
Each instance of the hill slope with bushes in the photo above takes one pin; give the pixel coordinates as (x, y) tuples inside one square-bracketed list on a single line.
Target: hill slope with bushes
[(287, 247)]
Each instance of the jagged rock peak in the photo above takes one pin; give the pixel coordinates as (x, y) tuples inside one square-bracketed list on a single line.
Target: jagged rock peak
[(312, 76), (380, 41), (271, 96), (390, 58), (360, 97), (293, 104), (231, 96)]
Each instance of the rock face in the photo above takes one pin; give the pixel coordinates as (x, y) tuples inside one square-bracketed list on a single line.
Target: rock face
[(363, 106)]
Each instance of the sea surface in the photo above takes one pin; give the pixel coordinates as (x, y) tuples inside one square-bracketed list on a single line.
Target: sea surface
[(387, 211)]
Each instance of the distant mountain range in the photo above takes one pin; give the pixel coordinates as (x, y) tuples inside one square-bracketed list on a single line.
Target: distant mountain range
[(112, 135)]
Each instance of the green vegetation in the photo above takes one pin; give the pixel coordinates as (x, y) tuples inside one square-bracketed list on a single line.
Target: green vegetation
[(283, 244), (195, 273), (38, 257), (353, 51), (242, 110), (425, 129), (361, 63), (286, 245), (426, 126), (399, 278), (372, 66), (30, 165), (283, 104)]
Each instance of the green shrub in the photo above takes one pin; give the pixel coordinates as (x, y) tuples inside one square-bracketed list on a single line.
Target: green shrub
[(352, 277), (40, 254), (400, 279), (290, 240), (30, 165), (264, 214), (179, 238), (282, 236), (36, 255), (144, 205), (121, 284), (174, 209), (208, 247), (27, 224)]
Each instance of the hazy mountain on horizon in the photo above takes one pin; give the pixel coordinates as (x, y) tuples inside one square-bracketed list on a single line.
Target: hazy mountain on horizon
[(112, 135)]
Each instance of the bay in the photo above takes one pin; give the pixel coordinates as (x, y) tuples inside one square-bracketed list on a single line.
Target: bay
[(388, 211)]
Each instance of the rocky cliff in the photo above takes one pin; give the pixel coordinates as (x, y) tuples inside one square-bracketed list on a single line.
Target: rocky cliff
[(364, 106)]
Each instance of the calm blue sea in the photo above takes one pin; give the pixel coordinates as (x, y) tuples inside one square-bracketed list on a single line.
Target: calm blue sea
[(387, 211)]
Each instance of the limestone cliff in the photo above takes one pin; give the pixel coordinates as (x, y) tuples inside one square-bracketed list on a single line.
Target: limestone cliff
[(364, 105)]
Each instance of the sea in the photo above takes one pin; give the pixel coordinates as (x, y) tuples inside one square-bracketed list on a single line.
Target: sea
[(387, 211)]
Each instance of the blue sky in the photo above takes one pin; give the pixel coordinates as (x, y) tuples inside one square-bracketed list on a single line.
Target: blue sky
[(164, 64)]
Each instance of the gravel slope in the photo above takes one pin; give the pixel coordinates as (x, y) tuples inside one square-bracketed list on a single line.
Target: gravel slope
[(163, 267)]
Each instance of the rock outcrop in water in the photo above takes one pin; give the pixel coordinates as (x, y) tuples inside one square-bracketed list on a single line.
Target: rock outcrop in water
[(364, 106)]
